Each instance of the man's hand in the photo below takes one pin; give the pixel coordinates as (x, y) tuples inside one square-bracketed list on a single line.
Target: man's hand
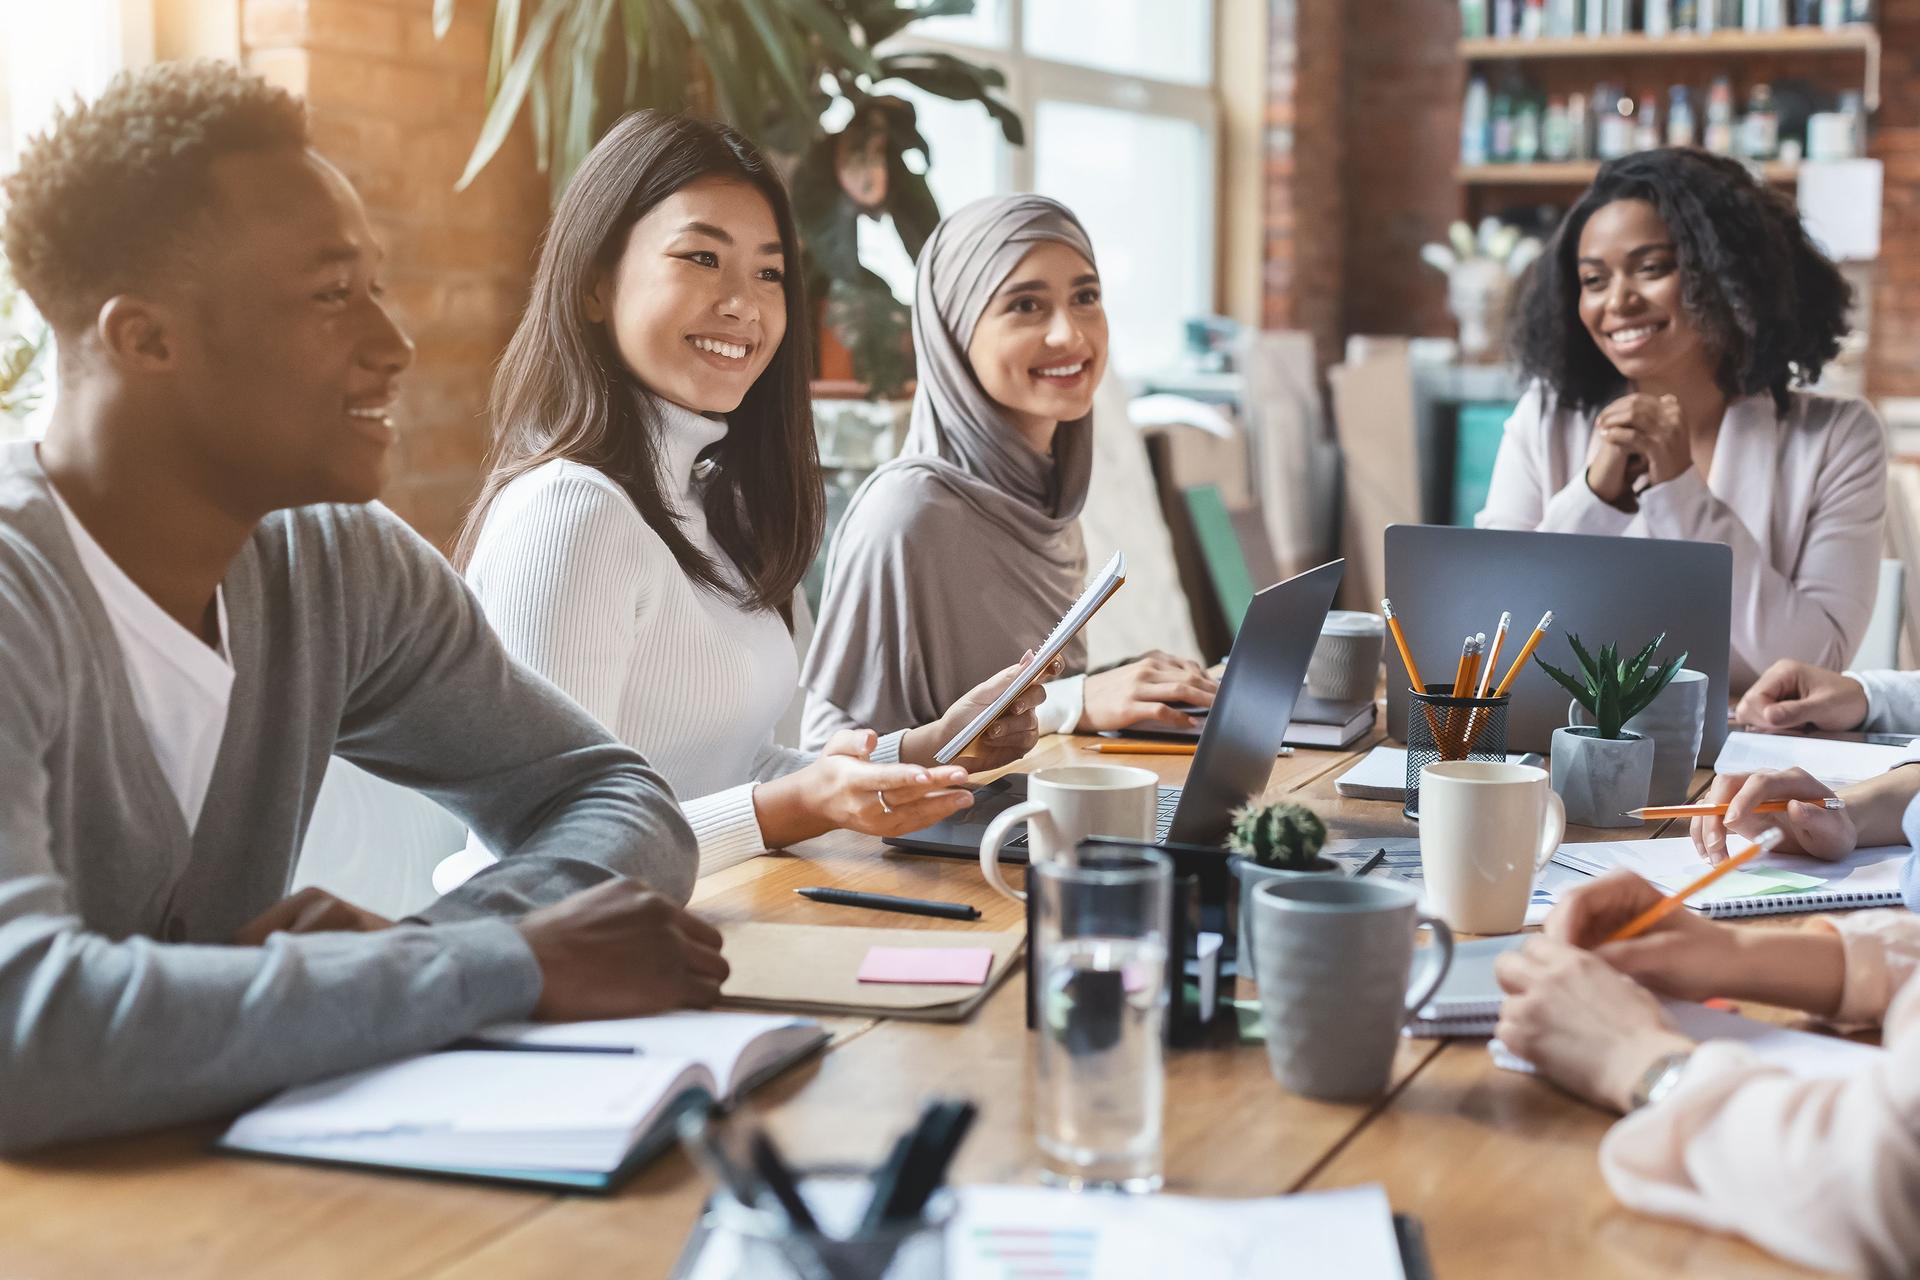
[(309, 911), (620, 950), (1799, 695)]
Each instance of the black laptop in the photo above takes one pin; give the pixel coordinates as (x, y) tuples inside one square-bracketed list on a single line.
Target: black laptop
[(1238, 744)]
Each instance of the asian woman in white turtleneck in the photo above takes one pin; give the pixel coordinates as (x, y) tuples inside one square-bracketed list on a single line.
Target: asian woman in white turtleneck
[(656, 496)]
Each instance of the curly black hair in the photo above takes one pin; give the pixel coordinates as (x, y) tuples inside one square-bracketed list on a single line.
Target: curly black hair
[(1770, 305), (106, 195)]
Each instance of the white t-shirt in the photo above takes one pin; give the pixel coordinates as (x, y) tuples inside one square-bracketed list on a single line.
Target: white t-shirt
[(180, 685)]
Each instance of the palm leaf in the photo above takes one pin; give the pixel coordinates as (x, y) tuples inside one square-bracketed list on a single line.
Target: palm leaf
[(442, 18), (730, 81), (779, 47), (506, 30), (881, 19), (832, 32), (946, 76), (513, 91)]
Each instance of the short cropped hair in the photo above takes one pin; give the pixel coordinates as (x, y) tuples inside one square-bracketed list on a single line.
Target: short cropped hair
[(114, 186), (1771, 306)]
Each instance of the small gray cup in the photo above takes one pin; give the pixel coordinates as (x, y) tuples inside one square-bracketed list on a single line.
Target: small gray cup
[(1334, 960)]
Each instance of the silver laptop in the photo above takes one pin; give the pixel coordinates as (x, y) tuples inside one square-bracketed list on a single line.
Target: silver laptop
[(1447, 583), (1237, 747)]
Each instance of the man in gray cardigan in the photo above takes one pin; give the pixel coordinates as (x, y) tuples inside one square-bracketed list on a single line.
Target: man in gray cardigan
[(201, 497)]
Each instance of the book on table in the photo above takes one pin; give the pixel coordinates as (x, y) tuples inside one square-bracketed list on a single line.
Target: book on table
[(1319, 723), (577, 1105)]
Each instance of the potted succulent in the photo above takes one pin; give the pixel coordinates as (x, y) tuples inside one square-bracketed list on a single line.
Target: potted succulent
[(1272, 842), (1603, 770)]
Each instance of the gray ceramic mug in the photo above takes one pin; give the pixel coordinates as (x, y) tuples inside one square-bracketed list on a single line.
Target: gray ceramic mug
[(1334, 957)]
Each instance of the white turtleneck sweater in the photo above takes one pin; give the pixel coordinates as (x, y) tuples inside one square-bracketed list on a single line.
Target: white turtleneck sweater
[(582, 590)]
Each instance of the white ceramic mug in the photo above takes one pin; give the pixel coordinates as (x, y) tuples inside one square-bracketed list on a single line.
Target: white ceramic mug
[(1486, 829), (1065, 805)]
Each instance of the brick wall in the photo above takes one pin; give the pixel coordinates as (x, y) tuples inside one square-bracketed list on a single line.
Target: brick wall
[(1893, 360), (1306, 151), (398, 112)]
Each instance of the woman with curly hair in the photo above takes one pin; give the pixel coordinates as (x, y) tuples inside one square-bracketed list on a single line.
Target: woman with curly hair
[(1666, 334)]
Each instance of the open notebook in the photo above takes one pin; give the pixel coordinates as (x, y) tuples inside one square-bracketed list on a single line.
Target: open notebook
[(577, 1105), (1835, 763), (1468, 1001), (1780, 884)]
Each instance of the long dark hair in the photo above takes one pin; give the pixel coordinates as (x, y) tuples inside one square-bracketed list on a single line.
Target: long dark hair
[(562, 390), (1771, 307)]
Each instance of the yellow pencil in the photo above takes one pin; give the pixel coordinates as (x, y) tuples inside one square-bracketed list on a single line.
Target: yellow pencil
[(1145, 748), (1667, 906), (1493, 654), (1655, 811), (1526, 651), (1400, 641)]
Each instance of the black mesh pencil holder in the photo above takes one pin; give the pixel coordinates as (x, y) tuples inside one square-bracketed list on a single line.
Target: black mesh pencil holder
[(1443, 727)]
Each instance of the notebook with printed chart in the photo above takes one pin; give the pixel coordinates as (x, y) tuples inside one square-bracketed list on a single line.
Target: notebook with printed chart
[(1777, 884), (575, 1106), (1098, 592)]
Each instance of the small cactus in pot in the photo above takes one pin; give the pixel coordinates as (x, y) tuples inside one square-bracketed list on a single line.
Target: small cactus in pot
[(1285, 836), (1274, 842)]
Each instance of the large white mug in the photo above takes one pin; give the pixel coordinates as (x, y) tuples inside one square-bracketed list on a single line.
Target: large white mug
[(1067, 804), (1486, 829)]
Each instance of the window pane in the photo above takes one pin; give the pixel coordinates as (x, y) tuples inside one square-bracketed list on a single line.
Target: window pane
[(1159, 39), (1155, 245), (986, 25), (967, 149)]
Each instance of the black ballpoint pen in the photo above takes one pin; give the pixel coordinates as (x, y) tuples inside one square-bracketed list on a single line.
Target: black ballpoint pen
[(887, 902)]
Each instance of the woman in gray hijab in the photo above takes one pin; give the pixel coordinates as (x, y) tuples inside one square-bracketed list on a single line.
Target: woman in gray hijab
[(965, 550)]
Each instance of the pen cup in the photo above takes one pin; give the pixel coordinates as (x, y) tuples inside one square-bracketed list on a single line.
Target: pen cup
[(759, 1241), (1443, 727)]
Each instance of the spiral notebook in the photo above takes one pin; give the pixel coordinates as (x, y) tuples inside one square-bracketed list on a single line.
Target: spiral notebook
[(1468, 1001), (1781, 884)]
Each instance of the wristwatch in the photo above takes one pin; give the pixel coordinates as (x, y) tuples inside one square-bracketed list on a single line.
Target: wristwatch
[(1660, 1078)]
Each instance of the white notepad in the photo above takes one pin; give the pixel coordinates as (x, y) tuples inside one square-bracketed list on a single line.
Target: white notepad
[(1382, 774), (1779, 884), (1805, 1054), (1838, 764), (1468, 1002), (571, 1105)]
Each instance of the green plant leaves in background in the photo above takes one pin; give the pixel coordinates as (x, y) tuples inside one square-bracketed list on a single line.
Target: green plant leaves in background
[(771, 68), (1614, 692)]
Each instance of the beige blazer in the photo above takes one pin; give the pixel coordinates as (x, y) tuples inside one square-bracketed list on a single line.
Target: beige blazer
[(1801, 497)]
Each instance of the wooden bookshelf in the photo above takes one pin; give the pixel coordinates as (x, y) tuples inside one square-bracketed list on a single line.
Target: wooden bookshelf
[(1858, 38), (1574, 173)]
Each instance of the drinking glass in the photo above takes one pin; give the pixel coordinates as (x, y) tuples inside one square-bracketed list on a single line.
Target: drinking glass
[(1101, 922)]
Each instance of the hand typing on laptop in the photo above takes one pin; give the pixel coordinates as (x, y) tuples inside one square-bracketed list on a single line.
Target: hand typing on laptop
[(1148, 691)]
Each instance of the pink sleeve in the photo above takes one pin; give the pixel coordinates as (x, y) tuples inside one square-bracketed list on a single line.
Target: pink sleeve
[(1819, 611), (1527, 492), (1823, 1172)]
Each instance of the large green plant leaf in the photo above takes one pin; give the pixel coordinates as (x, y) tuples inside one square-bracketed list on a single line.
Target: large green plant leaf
[(513, 91), (1637, 666), (946, 76), (1642, 698), (833, 34), (883, 19), (1589, 666), (781, 51)]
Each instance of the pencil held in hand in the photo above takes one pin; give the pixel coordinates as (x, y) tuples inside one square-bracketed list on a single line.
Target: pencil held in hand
[(1667, 906), (1654, 812)]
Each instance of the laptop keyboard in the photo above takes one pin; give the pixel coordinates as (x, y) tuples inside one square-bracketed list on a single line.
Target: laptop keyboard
[(1164, 805)]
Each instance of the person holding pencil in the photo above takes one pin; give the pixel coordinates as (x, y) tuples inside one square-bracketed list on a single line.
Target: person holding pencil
[(1825, 1173)]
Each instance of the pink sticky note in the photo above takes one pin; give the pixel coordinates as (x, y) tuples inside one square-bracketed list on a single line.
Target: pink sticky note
[(959, 966)]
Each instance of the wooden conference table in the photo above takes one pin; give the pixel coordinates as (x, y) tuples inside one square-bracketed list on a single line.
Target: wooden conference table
[(1500, 1168)]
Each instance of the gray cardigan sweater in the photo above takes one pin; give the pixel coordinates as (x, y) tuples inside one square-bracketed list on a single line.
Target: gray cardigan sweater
[(122, 1003)]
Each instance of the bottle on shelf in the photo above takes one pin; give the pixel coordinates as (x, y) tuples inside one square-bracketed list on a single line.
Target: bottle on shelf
[(1859, 10), (1500, 130), (1579, 120), (1506, 19), (1680, 130), (1719, 132), (1556, 130), (1851, 105), (1646, 122), (1473, 124), (1473, 19), (1526, 129), (1656, 18), (1613, 123), (1686, 14), (1563, 18), (1760, 126), (1533, 20)]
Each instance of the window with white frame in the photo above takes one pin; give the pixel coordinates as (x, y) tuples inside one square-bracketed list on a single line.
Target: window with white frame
[(1121, 125), (49, 53)]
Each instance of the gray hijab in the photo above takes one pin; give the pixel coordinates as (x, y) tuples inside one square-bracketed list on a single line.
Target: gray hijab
[(965, 550)]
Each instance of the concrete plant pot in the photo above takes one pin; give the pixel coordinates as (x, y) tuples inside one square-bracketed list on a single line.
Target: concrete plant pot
[(1599, 779)]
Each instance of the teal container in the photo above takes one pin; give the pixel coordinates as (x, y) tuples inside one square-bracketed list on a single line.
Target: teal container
[(1476, 444)]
